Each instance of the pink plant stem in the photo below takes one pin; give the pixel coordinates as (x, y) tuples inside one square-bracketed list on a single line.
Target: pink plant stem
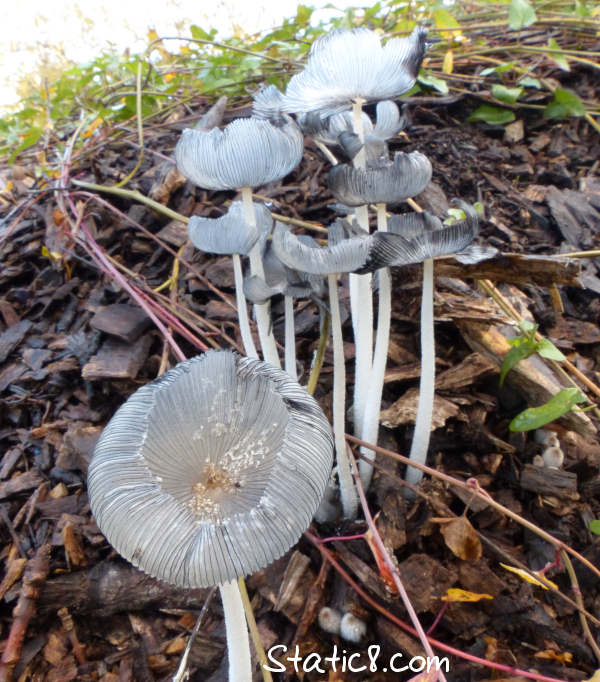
[(393, 569), (438, 618), (171, 320), (446, 648), (343, 538), (95, 251), (161, 243)]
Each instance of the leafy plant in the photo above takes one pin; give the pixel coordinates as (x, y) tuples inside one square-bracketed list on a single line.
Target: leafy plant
[(526, 345)]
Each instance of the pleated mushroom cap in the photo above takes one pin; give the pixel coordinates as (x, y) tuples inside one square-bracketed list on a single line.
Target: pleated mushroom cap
[(212, 471), (345, 65), (249, 152)]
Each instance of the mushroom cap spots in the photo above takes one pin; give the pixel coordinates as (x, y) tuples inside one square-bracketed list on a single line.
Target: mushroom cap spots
[(212, 471)]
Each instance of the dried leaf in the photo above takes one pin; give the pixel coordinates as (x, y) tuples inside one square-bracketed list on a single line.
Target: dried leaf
[(461, 538), (529, 577), (563, 658), (454, 594)]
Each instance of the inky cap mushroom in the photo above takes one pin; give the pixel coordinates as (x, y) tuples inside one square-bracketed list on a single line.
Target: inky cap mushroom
[(231, 233), (212, 471), (345, 65), (249, 152), (392, 183)]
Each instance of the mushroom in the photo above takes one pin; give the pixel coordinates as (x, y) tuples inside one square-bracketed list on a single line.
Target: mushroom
[(345, 69), (232, 235), (209, 473), (249, 152)]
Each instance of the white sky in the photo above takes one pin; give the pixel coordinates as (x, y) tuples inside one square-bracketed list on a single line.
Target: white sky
[(79, 29)]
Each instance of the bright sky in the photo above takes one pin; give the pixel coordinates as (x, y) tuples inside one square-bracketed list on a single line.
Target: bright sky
[(79, 29)]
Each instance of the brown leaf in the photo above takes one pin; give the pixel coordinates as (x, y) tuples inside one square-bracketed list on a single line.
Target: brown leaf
[(461, 538)]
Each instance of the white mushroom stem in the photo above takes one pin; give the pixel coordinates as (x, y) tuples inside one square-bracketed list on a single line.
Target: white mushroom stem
[(361, 301), (238, 643), (290, 338), (247, 339), (370, 425), (347, 490), (420, 442), (262, 311)]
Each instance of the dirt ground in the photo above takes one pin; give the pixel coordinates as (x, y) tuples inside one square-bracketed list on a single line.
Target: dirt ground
[(74, 344)]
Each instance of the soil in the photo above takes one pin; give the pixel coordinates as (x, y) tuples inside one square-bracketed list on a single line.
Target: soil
[(74, 344)]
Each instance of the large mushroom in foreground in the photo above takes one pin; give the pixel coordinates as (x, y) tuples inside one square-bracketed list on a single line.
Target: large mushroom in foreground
[(209, 473)]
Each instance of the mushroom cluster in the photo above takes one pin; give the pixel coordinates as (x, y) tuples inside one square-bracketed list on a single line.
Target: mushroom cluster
[(214, 470)]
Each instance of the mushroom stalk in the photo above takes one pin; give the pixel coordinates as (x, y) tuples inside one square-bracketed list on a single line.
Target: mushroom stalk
[(370, 425), (420, 442), (361, 302), (347, 489), (290, 338), (262, 311), (245, 332), (238, 643)]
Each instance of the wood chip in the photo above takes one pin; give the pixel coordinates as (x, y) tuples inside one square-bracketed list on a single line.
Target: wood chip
[(12, 337), (404, 410), (474, 367), (26, 481), (546, 481), (126, 322), (117, 360)]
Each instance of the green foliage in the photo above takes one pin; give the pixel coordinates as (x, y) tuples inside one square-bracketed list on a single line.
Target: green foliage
[(594, 526), (488, 113), (526, 345), (557, 406), (564, 104), (520, 14), (504, 94)]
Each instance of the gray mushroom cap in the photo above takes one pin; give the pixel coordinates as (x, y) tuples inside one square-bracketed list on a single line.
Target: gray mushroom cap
[(249, 152), (230, 233), (405, 177), (345, 65), (212, 471), (413, 237), (346, 255)]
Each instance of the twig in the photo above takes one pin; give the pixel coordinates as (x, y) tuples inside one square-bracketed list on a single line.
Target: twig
[(34, 577)]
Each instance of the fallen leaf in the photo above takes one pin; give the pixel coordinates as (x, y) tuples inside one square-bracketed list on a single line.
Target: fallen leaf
[(460, 537), (530, 577), (454, 594), (557, 656)]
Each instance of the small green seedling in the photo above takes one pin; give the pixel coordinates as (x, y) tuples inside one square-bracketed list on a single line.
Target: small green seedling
[(525, 345)]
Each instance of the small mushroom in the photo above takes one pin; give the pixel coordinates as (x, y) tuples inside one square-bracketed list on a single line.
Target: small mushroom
[(211, 472)]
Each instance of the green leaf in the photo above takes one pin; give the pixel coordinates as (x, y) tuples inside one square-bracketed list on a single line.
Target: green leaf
[(594, 526), (581, 9), (504, 94), (517, 353), (557, 406), (444, 20), (488, 113), (548, 350), (433, 81), (559, 58), (520, 14), (564, 104), (303, 14), (530, 82), (501, 68)]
